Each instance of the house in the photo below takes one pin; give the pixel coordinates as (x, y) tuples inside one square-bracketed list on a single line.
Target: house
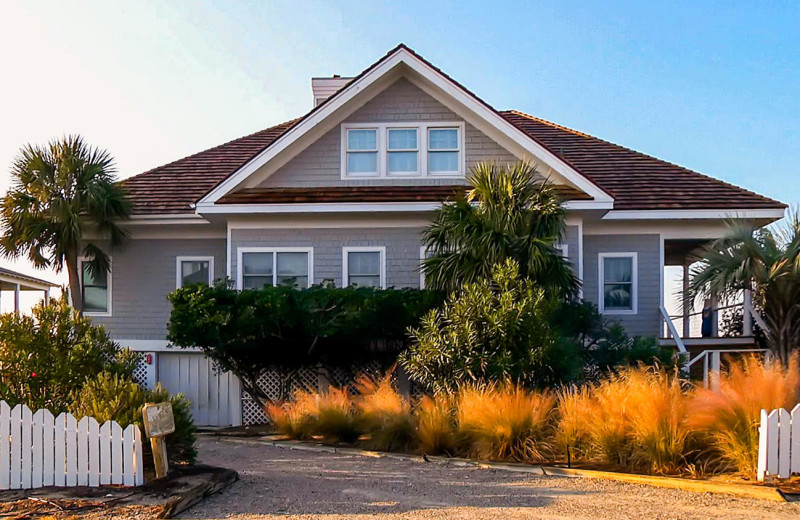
[(343, 192)]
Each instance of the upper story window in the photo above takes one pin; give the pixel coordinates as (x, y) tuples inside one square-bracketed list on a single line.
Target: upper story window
[(618, 283), (259, 266), (95, 290), (406, 150), (194, 269)]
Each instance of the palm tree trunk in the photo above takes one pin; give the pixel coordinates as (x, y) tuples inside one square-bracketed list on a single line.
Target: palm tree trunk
[(74, 281)]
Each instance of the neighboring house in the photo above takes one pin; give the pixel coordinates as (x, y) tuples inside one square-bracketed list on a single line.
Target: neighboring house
[(18, 283), (343, 192)]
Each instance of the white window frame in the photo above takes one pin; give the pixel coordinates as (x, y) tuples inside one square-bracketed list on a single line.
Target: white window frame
[(179, 272), (109, 278), (634, 283), (423, 253), (422, 149), (240, 268), (346, 150), (563, 249), (363, 249), (417, 150)]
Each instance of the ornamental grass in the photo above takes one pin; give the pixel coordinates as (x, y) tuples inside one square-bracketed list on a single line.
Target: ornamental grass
[(731, 415), (505, 422), (384, 415), (435, 425)]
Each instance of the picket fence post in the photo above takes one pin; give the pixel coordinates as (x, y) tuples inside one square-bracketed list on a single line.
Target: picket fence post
[(779, 443), (37, 449)]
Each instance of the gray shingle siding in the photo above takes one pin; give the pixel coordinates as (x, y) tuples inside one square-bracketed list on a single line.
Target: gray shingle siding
[(320, 163), (143, 274), (648, 248), (571, 241), (402, 249)]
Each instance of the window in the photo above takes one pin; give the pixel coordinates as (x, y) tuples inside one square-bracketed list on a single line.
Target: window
[(95, 290), (402, 150), (443, 151), (618, 283), (562, 249), (362, 152), (194, 269), (364, 266), (260, 266)]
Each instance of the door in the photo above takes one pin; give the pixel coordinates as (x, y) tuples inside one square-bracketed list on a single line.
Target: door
[(215, 396)]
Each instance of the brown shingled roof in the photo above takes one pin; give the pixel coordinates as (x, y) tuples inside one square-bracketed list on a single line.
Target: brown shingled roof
[(359, 194), (172, 188), (636, 181)]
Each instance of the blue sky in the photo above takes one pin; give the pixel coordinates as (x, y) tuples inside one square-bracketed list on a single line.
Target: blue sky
[(709, 85)]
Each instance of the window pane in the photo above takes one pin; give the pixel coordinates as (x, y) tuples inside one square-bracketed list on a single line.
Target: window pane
[(95, 299), (617, 269), (293, 268), (257, 263), (362, 139), (442, 162), (402, 162), (617, 296), (100, 278), (365, 281), (194, 271), (362, 162), (405, 139), (256, 282), (443, 139), (364, 263)]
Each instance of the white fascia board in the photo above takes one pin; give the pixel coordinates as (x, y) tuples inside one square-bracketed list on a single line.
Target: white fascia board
[(160, 220), (333, 207), (435, 77), (692, 214)]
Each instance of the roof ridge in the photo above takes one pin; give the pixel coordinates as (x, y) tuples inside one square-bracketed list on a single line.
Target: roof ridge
[(637, 152)]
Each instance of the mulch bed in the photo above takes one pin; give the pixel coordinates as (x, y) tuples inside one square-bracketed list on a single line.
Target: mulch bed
[(182, 488)]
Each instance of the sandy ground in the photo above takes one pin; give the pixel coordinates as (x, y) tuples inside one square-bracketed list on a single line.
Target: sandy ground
[(283, 483)]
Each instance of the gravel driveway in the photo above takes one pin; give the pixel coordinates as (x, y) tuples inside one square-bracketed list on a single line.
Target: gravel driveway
[(278, 482)]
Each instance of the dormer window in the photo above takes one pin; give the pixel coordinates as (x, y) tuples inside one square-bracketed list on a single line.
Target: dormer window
[(402, 150)]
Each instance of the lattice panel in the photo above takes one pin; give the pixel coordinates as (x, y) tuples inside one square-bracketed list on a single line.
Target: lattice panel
[(140, 372)]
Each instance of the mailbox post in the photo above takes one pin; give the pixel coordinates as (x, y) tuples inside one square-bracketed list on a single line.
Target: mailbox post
[(158, 423)]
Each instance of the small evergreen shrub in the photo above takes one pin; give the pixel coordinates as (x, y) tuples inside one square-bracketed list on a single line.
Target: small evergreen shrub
[(112, 397), (48, 356)]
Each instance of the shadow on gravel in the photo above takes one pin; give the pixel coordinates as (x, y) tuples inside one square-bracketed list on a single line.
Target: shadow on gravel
[(287, 482)]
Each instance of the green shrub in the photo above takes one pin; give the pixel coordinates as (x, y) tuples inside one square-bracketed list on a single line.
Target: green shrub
[(49, 355), (284, 328), (111, 397), (492, 331)]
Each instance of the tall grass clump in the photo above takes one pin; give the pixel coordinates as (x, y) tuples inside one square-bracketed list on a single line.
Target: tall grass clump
[(505, 422), (384, 415), (572, 433), (731, 415), (434, 424), (329, 415), (658, 414), (608, 420)]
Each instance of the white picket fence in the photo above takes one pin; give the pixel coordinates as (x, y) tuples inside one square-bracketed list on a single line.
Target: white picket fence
[(37, 449), (779, 443)]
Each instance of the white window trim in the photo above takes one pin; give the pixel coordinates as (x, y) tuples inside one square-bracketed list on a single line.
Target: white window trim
[(241, 250), (634, 284), (563, 248), (181, 259), (363, 249), (423, 253), (417, 150), (109, 279), (422, 146)]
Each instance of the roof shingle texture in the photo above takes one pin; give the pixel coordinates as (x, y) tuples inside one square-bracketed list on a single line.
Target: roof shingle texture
[(636, 181)]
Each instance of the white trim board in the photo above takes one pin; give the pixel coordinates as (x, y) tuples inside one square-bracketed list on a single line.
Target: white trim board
[(153, 345), (364, 249), (670, 214), (634, 284), (399, 63)]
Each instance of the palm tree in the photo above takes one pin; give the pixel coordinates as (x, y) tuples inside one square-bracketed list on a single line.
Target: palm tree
[(510, 212), (58, 191), (766, 261)]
